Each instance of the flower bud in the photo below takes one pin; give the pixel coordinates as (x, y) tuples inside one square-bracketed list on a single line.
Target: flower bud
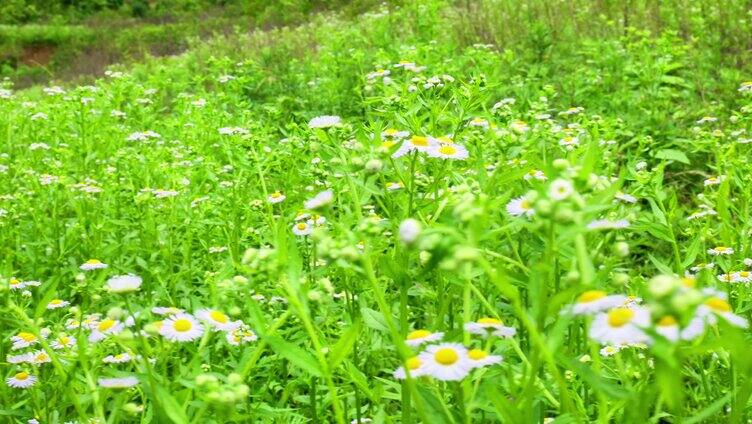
[(662, 285), (409, 230)]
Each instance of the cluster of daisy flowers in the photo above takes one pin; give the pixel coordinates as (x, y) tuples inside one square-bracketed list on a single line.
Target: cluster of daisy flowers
[(434, 147), (618, 321), (447, 361)]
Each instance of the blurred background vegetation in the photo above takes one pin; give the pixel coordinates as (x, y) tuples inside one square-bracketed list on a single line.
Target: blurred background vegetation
[(43, 40)]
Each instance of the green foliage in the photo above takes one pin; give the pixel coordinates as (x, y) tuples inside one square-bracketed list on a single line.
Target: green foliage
[(607, 150)]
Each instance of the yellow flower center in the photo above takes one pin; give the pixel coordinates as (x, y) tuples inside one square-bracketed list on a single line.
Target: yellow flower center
[(413, 363), (14, 282), (41, 357), (218, 317), (447, 150), (420, 141), (667, 321), (591, 296), (27, 337), (446, 356), (525, 204), (106, 325), (56, 302), (492, 321), (418, 334), (276, 195), (182, 325), (689, 282), (446, 139), (477, 354), (388, 144), (721, 248), (718, 304), (23, 375), (302, 226), (619, 317), (744, 274), (390, 132), (63, 340), (93, 262)]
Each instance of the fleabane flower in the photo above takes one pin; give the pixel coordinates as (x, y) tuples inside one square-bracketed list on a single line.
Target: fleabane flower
[(490, 326), (123, 283), (217, 319), (241, 335), (118, 382), (721, 250), (181, 328), (714, 180), (325, 121), (62, 342), (480, 358), (606, 224), (448, 151), (276, 197), (302, 229), (92, 264), (120, 358), (319, 200), (593, 301), (415, 143), (668, 327), (621, 326), (418, 337), (717, 306), (414, 365), (23, 339), (21, 380), (624, 197), (102, 329), (560, 189), (446, 361), (57, 303), (520, 206)]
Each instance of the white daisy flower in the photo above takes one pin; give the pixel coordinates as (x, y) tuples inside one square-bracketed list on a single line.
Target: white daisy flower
[(16, 284), (181, 328), (23, 339), (520, 206), (217, 319), (446, 361), (102, 329), (123, 283), (593, 301), (480, 358), (418, 337), (39, 357), (21, 380), (302, 229), (490, 326), (606, 224), (241, 335), (413, 364), (409, 230), (169, 310), (393, 133), (448, 151), (621, 326), (120, 358), (624, 197), (720, 307), (118, 382), (325, 121), (609, 350), (415, 143), (535, 175), (63, 342), (321, 199), (714, 180), (395, 186), (276, 197), (92, 264), (560, 189), (57, 303), (721, 250), (18, 359), (668, 327)]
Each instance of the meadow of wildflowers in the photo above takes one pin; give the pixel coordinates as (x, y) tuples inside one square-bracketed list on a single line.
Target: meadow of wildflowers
[(389, 227)]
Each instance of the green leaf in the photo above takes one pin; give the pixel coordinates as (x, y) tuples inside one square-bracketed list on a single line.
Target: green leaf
[(170, 406), (374, 319), (344, 345), (295, 355), (672, 154)]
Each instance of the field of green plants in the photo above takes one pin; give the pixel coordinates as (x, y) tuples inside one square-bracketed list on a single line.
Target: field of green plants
[(435, 212)]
